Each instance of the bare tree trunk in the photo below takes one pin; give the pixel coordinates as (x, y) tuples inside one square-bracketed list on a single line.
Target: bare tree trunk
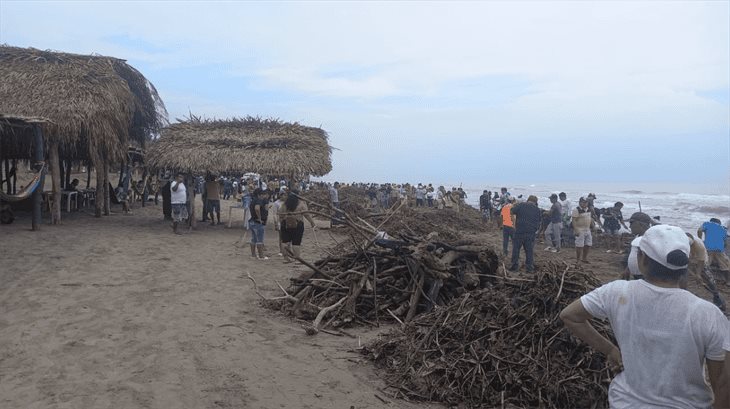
[(55, 182), (107, 200)]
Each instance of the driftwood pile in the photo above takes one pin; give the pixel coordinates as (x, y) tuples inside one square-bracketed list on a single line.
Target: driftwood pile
[(353, 200), (447, 223), (502, 346), (387, 280), (408, 222), (381, 275)]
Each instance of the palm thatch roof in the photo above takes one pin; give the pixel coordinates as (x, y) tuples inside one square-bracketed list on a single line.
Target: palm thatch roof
[(237, 145), (96, 105), (16, 136)]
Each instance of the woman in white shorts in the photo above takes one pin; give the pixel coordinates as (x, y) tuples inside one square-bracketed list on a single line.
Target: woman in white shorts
[(582, 221)]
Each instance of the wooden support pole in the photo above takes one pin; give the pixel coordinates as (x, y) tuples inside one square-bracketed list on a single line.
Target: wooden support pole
[(145, 188), (55, 182), (69, 170), (99, 202), (7, 172), (62, 173), (88, 173), (190, 182), (38, 157), (15, 176), (121, 173), (107, 193)]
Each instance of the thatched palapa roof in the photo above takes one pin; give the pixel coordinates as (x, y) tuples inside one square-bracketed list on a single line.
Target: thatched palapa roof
[(16, 136), (265, 146), (96, 105)]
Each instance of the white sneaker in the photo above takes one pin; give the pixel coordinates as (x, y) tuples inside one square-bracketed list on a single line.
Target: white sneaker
[(548, 248), (553, 250)]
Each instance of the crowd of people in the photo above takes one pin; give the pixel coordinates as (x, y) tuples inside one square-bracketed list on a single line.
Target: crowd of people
[(522, 222), (668, 341), (665, 337), (383, 196)]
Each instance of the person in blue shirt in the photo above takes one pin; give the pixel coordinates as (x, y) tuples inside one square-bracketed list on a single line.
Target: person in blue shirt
[(714, 238)]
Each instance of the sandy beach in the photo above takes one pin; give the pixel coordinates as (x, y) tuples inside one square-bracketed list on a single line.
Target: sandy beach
[(118, 312)]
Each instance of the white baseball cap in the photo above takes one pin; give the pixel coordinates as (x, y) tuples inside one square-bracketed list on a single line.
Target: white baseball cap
[(661, 242)]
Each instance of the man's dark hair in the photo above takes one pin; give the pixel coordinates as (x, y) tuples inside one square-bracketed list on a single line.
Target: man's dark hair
[(618, 204), (715, 220), (562, 194), (659, 271), (292, 200)]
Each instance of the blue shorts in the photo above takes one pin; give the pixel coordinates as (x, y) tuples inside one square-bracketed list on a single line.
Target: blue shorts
[(257, 232), (214, 205)]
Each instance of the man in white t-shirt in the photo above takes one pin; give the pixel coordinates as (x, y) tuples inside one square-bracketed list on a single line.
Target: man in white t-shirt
[(722, 397), (698, 262), (178, 199), (565, 206), (665, 335)]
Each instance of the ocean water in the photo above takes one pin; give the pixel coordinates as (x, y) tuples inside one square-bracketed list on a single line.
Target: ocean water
[(684, 206)]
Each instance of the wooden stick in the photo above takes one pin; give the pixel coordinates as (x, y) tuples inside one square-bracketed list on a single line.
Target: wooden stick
[(402, 324), (562, 280), (391, 215), (375, 291), (313, 268), (315, 325), (284, 297)]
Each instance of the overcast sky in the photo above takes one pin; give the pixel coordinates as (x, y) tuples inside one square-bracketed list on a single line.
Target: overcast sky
[(479, 92)]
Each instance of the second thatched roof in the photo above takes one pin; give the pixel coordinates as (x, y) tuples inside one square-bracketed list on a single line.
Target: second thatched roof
[(237, 145), (97, 105), (16, 136)]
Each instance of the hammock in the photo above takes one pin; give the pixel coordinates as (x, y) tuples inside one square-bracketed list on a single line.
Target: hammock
[(26, 191)]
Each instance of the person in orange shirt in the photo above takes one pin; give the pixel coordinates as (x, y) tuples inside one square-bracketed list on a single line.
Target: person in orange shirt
[(508, 226)]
